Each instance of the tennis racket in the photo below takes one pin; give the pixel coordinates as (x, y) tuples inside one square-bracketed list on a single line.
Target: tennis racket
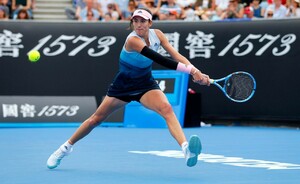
[(238, 86)]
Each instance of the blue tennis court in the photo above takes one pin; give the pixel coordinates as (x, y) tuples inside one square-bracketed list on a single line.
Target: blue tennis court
[(136, 155)]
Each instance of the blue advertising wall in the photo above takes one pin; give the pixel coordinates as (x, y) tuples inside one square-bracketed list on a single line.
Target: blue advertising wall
[(174, 85), (81, 59)]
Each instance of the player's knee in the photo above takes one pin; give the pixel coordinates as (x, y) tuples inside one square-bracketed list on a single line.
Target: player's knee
[(92, 122), (166, 109), (95, 120)]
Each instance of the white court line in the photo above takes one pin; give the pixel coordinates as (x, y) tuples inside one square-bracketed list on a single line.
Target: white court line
[(233, 161)]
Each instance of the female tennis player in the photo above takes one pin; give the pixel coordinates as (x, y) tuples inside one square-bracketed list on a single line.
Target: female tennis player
[(134, 82)]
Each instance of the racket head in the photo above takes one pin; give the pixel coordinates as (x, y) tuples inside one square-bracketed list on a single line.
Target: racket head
[(239, 86)]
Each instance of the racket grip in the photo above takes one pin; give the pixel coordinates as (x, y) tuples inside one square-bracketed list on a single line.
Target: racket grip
[(211, 81)]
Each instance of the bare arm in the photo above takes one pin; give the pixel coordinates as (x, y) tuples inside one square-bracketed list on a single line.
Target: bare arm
[(28, 4), (198, 76), (170, 49), (136, 44)]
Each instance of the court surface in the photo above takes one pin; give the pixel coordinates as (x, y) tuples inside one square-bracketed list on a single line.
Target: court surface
[(230, 155)]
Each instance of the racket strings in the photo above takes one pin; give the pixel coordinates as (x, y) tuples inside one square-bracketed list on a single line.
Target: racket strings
[(239, 86)]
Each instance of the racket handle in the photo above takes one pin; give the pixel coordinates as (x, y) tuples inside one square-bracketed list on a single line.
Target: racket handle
[(211, 81)]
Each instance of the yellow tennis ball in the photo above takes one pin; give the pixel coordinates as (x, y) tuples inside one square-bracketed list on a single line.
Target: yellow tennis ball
[(34, 56)]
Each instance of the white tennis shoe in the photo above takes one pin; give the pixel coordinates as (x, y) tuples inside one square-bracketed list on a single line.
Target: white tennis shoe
[(192, 150), (55, 158)]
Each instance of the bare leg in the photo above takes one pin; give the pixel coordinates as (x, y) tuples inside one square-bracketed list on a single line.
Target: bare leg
[(108, 106), (157, 101)]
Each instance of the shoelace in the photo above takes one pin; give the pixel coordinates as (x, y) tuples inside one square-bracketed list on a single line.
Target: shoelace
[(59, 154)]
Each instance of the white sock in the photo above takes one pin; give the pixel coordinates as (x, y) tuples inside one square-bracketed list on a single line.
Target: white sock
[(184, 145), (66, 146)]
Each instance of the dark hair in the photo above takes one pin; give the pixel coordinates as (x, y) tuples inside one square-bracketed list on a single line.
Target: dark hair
[(257, 0), (23, 11), (130, 24), (90, 12)]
